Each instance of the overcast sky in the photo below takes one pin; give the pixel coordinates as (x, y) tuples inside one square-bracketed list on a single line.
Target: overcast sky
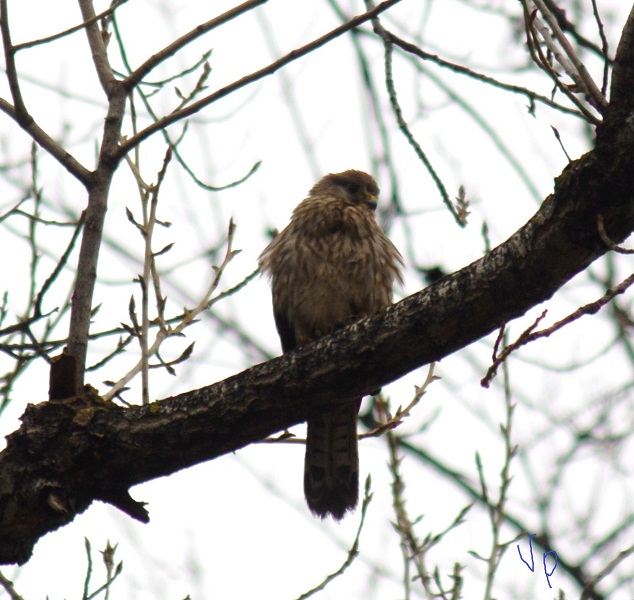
[(237, 527)]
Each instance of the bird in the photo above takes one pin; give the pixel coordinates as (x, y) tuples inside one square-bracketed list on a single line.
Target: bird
[(331, 266)]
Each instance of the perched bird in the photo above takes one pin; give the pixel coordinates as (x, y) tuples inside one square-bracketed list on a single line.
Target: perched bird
[(329, 267)]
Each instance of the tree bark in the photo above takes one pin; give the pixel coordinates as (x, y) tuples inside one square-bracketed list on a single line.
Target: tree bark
[(67, 454)]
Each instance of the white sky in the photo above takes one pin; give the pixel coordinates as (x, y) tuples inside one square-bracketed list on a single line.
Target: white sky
[(237, 527)]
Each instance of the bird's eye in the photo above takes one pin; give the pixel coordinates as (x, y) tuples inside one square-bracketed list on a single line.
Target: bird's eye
[(352, 188)]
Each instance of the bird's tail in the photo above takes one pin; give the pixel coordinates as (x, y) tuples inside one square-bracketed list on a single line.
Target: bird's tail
[(331, 471)]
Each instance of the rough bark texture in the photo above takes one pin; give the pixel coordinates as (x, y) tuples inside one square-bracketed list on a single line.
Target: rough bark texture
[(67, 454)]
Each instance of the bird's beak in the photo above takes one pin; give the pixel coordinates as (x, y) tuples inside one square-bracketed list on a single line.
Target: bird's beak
[(371, 201)]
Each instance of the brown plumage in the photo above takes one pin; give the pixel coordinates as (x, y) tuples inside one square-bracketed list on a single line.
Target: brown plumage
[(329, 267)]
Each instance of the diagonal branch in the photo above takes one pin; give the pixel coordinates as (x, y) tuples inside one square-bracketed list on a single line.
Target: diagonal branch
[(102, 450), (56, 36), (19, 113), (151, 63), (570, 60), (195, 107)]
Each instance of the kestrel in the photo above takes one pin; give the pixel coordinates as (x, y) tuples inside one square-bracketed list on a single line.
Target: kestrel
[(329, 267)]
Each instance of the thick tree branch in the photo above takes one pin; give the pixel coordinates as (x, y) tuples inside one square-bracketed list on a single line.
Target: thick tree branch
[(102, 450), (65, 455)]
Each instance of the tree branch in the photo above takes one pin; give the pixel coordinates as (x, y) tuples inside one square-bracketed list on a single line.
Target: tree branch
[(195, 107), (621, 97), (19, 113), (56, 36), (102, 450), (155, 60), (98, 190), (97, 47)]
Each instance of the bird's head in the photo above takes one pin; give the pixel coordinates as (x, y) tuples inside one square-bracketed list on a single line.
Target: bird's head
[(354, 187)]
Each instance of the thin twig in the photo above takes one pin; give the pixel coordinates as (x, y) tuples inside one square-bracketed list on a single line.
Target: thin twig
[(497, 512), (414, 551), (150, 193), (22, 113), (59, 153), (393, 421), (354, 550), (536, 30), (402, 123), (7, 584), (188, 317), (51, 38), (136, 76), (19, 113), (605, 48), (166, 135), (486, 79), (253, 77), (529, 335), (608, 242), (591, 585), (574, 66), (61, 263)]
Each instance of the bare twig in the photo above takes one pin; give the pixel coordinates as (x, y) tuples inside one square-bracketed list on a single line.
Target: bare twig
[(19, 113), (51, 38), (497, 511), (608, 242), (533, 36), (536, 33), (389, 423), (22, 115), (200, 87), (402, 123), (591, 585), (8, 587), (530, 335), (253, 77), (532, 96), (571, 62), (393, 421), (112, 571), (413, 549), (187, 319), (149, 196), (61, 263), (135, 78), (354, 550), (604, 48)]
